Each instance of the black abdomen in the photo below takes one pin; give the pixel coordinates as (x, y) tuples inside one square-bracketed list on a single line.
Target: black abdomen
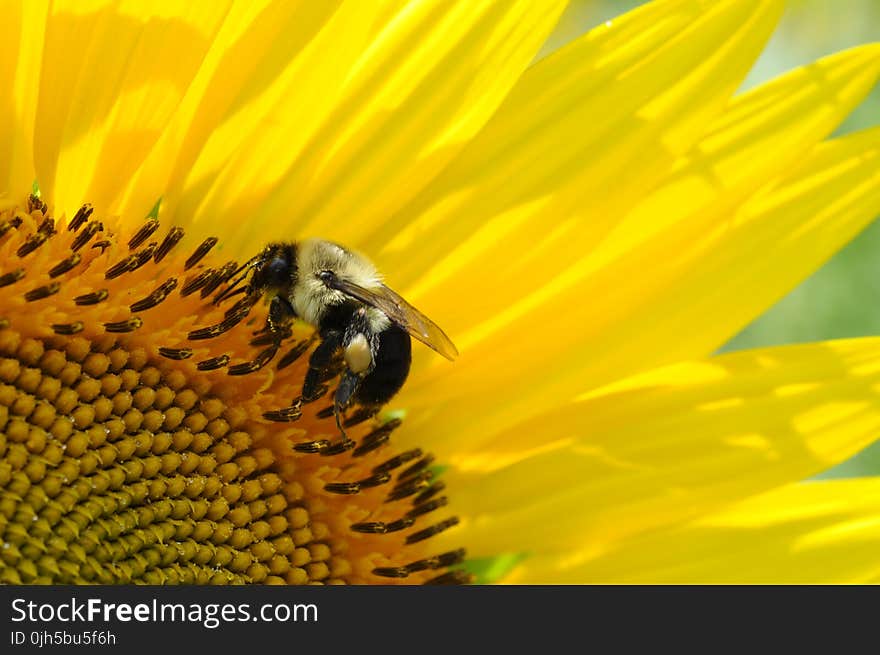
[(391, 366)]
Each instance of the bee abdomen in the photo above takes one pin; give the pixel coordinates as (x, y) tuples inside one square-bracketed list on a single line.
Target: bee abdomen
[(391, 366)]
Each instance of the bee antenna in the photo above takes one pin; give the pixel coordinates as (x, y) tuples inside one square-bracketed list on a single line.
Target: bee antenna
[(233, 287), (230, 291)]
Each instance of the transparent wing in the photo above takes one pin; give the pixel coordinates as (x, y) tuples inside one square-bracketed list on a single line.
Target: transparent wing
[(399, 311)]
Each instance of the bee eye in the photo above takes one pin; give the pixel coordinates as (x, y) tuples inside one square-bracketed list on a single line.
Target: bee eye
[(273, 273), (278, 266)]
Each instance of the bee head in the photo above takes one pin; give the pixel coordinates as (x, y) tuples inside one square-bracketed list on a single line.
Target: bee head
[(276, 268)]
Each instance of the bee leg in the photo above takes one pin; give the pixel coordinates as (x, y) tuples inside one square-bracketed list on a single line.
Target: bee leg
[(321, 357), (358, 355), (348, 385), (281, 314)]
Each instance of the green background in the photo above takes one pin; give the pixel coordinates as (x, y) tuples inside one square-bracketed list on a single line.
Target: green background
[(841, 299)]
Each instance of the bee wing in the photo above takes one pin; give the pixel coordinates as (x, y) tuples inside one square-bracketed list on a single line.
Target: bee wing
[(399, 311)]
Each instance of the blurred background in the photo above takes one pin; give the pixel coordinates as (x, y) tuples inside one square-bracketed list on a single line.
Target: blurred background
[(841, 299)]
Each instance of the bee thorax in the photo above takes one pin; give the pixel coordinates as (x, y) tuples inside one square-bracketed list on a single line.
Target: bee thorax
[(358, 356)]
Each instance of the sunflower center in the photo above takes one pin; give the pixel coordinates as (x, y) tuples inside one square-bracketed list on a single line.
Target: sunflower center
[(150, 433)]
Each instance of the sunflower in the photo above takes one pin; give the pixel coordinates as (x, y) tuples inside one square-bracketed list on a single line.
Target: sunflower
[(565, 219)]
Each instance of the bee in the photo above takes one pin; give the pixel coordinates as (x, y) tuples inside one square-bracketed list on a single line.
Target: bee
[(341, 294)]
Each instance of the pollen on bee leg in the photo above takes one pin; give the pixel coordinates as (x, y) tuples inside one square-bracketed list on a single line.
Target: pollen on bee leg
[(358, 357), (128, 456)]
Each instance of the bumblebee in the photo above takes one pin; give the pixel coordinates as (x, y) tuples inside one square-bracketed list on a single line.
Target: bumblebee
[(341, 294)]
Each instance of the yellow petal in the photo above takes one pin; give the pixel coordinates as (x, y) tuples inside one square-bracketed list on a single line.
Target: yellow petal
[(25, 22), (758, 138), (378, 103), (583, 135), (721, 276), (256, 51), (112, 75), (633, 314), (666, 446), (814, 532)]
